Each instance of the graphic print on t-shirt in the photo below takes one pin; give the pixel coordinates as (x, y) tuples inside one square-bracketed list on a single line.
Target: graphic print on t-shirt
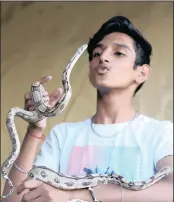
[(104, 160)]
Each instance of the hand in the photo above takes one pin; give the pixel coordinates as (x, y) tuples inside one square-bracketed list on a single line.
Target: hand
[(50, 100), (41, 192)]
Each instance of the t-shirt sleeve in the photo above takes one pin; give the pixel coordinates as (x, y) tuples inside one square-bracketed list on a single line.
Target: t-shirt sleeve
[(49, 154), (164, 144)]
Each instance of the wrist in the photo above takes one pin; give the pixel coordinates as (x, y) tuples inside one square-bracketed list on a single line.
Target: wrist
[(82, 194), (38, 131), (35, 132)]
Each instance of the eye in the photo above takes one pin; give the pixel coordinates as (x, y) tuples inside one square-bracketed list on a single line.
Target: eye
[(119, 54), (96, 54)]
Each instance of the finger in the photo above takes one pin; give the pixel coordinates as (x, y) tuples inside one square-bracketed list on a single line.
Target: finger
[(31, 108), (27, 96), (25, 191), (46, 99), (26, 107), (45, 93), (55, 96), (28, 184), (45, 79), (31, 195), (28, 104), (40, 199)]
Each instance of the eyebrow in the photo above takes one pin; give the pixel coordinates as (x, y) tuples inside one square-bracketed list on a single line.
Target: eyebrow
[(122, 46), (100, 45)]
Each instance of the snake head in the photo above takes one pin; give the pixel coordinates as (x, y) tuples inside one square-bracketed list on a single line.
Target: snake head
[(35, 83), (31, 175)]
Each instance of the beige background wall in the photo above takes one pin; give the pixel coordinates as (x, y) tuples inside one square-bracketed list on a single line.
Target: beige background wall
[(39, 38)]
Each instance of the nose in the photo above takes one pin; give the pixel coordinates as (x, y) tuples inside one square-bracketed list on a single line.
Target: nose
[(104, 57)]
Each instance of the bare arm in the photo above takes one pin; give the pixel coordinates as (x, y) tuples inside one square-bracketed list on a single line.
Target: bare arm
[(30, 144), (24, 161), (159, 192)]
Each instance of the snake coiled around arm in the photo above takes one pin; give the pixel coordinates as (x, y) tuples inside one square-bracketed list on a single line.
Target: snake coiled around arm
[(46, 175)]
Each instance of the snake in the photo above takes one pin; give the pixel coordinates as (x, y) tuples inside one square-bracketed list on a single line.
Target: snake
[(46, 175)]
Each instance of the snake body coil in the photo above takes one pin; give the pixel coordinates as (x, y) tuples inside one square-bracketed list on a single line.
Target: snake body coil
[(46, 175)]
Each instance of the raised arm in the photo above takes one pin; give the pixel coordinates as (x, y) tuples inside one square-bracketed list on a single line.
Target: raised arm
[(30, 143)]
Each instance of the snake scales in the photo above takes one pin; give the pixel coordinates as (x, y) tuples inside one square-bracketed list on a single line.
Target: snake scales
[(46, 175)]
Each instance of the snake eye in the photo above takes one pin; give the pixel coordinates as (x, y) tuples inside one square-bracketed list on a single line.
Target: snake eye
[(31, 175)]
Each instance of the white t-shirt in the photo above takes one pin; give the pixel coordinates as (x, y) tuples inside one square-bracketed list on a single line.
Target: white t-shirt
[(130, 149)]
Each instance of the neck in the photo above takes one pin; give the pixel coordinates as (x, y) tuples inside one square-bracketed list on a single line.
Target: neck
[(114, 107)]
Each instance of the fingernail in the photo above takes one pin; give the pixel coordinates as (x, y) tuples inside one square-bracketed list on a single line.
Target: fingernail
[(45, 93)]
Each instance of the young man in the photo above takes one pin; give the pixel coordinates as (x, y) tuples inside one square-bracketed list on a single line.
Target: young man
[(117, 139)]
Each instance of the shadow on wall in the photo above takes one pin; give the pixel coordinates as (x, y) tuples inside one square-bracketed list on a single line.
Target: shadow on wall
[(8, 10)]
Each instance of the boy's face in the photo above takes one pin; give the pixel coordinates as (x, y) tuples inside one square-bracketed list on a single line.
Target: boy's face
[(112, 62)]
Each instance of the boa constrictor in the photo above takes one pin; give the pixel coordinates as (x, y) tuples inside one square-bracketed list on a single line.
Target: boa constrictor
[(46, 175)]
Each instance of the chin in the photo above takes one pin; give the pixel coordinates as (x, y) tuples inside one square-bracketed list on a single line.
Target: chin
[(100, 84), (105, 87), (106, 83)]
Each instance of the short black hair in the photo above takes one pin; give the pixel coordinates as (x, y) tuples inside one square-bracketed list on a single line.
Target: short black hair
[(121, 24)]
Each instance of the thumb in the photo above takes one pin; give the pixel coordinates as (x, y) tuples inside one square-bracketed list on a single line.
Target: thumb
[(55, 96)]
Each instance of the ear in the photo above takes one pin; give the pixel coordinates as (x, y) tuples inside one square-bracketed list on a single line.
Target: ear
[(142, 73)]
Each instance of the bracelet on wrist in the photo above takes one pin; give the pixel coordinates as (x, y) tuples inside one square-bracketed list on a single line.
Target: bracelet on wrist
[(91, 191), (35, 136), (19, 169)]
